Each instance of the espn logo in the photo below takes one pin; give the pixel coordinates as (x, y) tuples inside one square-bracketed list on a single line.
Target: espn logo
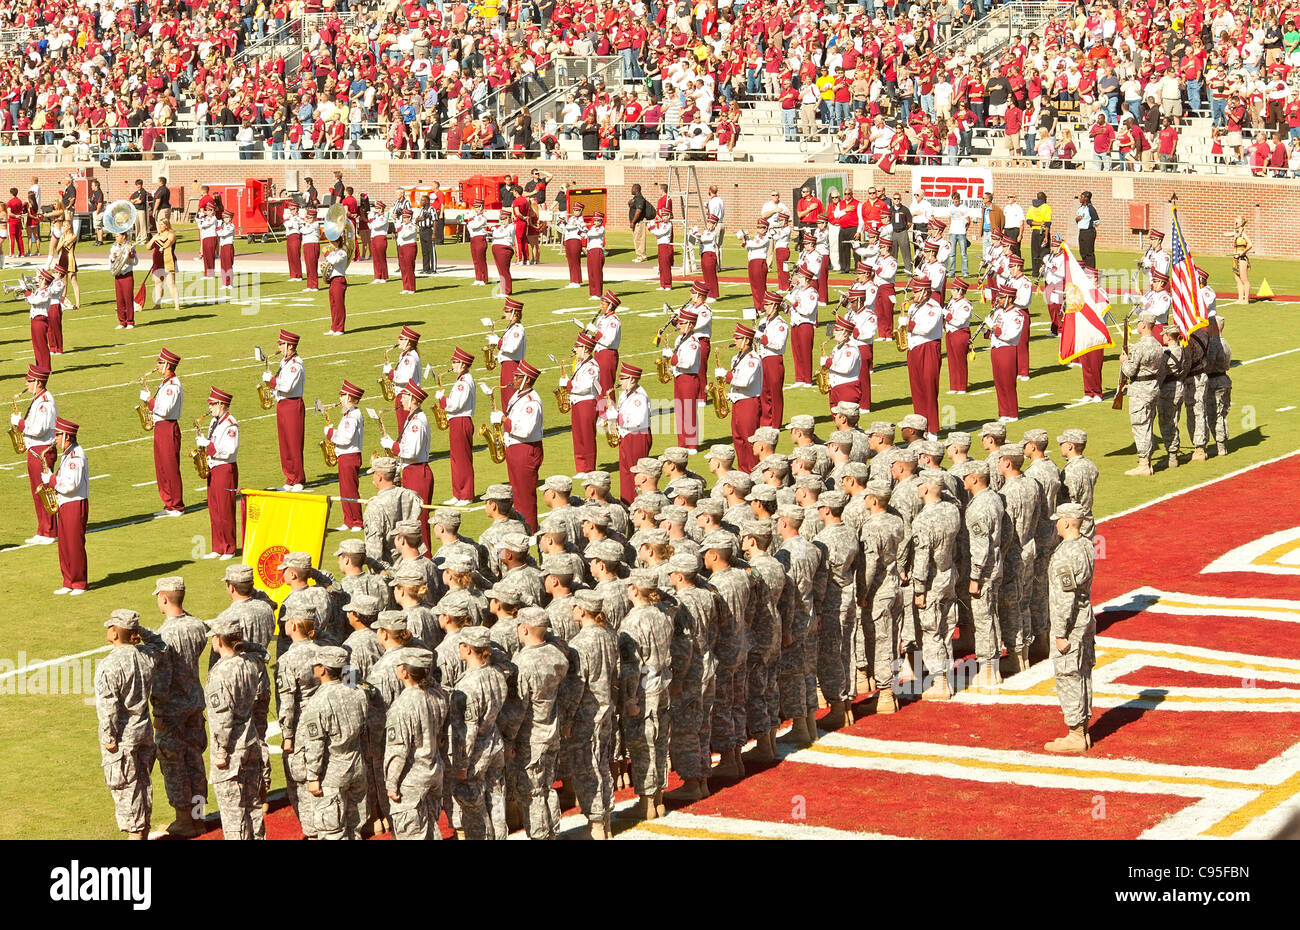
[(944, 186)]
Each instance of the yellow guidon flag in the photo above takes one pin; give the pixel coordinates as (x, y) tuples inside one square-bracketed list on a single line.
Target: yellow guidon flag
[(277, 523)]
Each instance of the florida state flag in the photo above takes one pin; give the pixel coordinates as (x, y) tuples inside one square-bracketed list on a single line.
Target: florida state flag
[(1083, 329)]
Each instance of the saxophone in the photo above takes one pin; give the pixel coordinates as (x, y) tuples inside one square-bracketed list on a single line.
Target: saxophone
[(494, 434), (142, 411), (717, 394), (327, 447), (611, 426), (900, 328), (15, 434), (821, 376), (663, 370), (48, 497), (199, 457), (385, 385), (489, 350), (439, 415), (264, 392), (562, 400)]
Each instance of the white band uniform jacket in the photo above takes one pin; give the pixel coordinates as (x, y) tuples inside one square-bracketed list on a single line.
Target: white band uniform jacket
[(407, 233), (460, 399), (338, 259), (349, 434), (756, 247), (886, 271), (504, 234), (514, 343), (745, 379), (703, 320), (523, 418), (413, 448), (378, 224), (222, 441), (803, 306), (585, 383), (476, 225), (37, 423), (1024, 291), (406, 372), (708, 239), (1157, 302), (608, 331), (633, 412), (38, 303), (684, 356), (575, 227), (596, 237), (72, 480), (1005, 327), (957, 315), (166, 401), (924, 323), (844, 364), (772, 338), (207, 225), (662, 230), (864, 325), (288, 384), (225, 233)]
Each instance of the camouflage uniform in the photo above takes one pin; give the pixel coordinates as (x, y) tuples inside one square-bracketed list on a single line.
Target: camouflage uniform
[(1218, 359), (294, 686), (933, 573), (386, 509), (772, 604), (449, 663), (413, 761), (541, 673), (363, 651), (367, 583), (422, 624), (837, 612), (614, 595), (590, 747), (238, 688), (1048, 477), (1170, 399), (527, 580), (334, 723), (477, 749), (985, 517), (1196, 383), (732, 648), (330, 627), (1142, 368), (1024, 504), (491, 537), (877, 584), (1070, 577), (256, 618), (645, 642), (797, 671), (474, 601), (178, 711), (1079, 484), (692, 702), (123, 680), (560, 610), (882, 464)]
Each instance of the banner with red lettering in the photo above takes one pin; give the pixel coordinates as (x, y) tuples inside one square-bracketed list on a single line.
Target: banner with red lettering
[(938, 183)]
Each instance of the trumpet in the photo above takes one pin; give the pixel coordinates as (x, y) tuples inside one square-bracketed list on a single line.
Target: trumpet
[(821, 376), (15, 434), (200, 457), (386, 386), (142, 411), (440, 415), (327, 447), (493, 434), (489, 350), (716, 393), (562, 400), (264, 392), (611, 426)]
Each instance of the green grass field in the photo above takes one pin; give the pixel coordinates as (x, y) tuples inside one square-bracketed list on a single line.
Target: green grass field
[(50, 781)]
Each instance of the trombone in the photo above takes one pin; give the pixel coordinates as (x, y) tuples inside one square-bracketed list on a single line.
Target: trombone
[(200, 457), (494, 433), (562, 400), (489, 350), (146, 417), (15, 434), (386, 387), (264, 392), (327, 447), (439, 414)]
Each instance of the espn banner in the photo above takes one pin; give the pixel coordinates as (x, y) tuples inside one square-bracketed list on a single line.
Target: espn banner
[(937, 184), (277, 523)]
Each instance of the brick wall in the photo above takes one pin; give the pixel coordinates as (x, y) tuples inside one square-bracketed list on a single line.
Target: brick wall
[(1207, 204)]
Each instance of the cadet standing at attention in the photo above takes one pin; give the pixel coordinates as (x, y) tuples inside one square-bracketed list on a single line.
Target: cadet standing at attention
[(238, 692), (1074, 628), (333, 727), (1142, 366), (122, 684)]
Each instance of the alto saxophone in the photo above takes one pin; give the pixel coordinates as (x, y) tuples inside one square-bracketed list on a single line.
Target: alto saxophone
[(821, 376), (142, 410), (200, 458), (328, 450), (717, 394), (611, 426), (264, 392), (663, 370), (15, 434), (386, 387), (439, 415), (900, 328), (494, 435), (563, 402), (490, 350), (48, 497)]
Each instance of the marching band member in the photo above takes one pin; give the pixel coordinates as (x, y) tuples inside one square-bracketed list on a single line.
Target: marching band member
[(38, 309), (338, 259), (779, 230), (207, 221), (521, 209), (1054, 284), (956, 327), (632, 416), (411, 449), (503, 252), (311, 249), (1024, 288), (993, 261), (709, 243), (863, 317), (408, 238), (1209, 300), (1090, 363), (406, 372), (1157, 301), (1006, 329), (54, 312), (378, 223), (608, 330), (935, 271), (685, 358), (290, 413), (867, 248), (756, 249), (1155, 258), (703, 329), (811, 260), (70, 480), (226, 248), (123, 283), (773, 333), (924, 330), (293, 240), (165, 408), (37, 425), (803, 321), (476, 228), (596, 256), (842, 365), (460, 402), (522, 423), (574, 226), (584, 391), (744, 382), (661, 227), (221, 443), (939, 233), (347, 437), (512, 346), (822, 246), (886, 270)]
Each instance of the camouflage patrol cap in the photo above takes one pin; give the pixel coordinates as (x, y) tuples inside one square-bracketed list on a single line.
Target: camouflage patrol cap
[(847, 408), (405, 528), (562, 563), (842, 437), (739, 481), (647, 503), (673, 514), (384, 465), (456, 607), (858, 471), (505, 593), (713, 506), (959, 439), (298, 561), (364, 604), (460, 561), (408, 573), (686, 487), (647, 466), (301, 613), (589, 600), (914, 421), (685, 562), (331, 656), (1148, 317), (881, 428), (476, 637), (675, 454), (766, 434), (595, 515), (446, 518), (977, 467), (791, 512), (930, 447), (653, 537), (499, 492), (238, 574), (124, 619), (997, 430), (832, 500), (390, 620), (811, 482), (644, 578), (600, 479), (806, 454), (351, 547), (803, 421), (1012, 451), (177, 583), (417, 658), (906, 455), (608, 551), (561, 484), (763, 493), (514, 542), (721, 452), (718, 540), (932, 476), (227, 626), (880, 490), (1070, 511), (534, 617), (1076, 436), (760, 528), (1037, 436), (553, 526)]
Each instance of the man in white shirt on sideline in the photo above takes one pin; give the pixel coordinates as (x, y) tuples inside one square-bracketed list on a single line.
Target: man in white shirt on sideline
[(1014, 216)]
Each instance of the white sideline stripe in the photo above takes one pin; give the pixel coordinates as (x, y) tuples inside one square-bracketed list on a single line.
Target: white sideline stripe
[(1154, 600), (759, 829), (1285, 409), (1243, 558), (1196, 487), (144, 484), (1107, 700), (4, 676)]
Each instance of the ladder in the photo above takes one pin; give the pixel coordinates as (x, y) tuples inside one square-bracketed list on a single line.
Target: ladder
[(683, 186)]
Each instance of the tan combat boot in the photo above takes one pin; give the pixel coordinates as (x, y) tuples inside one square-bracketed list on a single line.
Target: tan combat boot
[(1142, 469), (835, 717), (1199, 454), (1220, 448), (693, 789), (184, 825), (761, 751), (596, 830), (939, 690), (864, 682), (1024, 663), (460, 835), (810, 723), (726, 767), (989, 677), (142, 835), (798, 733), (647, 809), (1173, 459), (886, 703), (1074, 743), (661, 809)]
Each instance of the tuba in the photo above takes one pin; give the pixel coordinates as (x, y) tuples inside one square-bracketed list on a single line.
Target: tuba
[(200, 458), (337, 228), (119, 217), (15, 434), (264, 392), (562, 400), (439, 415), (489, 350), (716, 393), (611, 426), (493, 434), (386, 387), (327, 449), (821, 376)]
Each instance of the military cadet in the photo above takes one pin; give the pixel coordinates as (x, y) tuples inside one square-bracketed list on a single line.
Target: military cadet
[(836, 610), (645, 479), (412, 593), (1196, 399), (645, 644), (453, 616), (839, 446), (557, 493), (413, 753), (362, 643), (803, 434), (542, 668), (123, 682), (477, 752), (561, 572), (334, 731), (504, 520), (992, 436), (253, 610), (411, 450), (389, 506), (1218, 359), (353, 577), (796, 670), (983, 521), (1025, 504), (221, 445), (1079, 474), (595, 529), (519, 570), (522, 422), (588, 746), (178, 706), (504, 603), (1169, 399), (693, 690), (956, 447), (1044, 471), (880, 442), (605, 562), (718, 549), (297, 572), (459, 570), (1074, 628), (933, 573), (1142, 365), (294, 685), (911, 428), (878, 594), (237, 690), (407, 549), (735, 486), (772, 609)]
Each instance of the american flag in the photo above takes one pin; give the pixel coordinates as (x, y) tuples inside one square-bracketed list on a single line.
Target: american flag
[(1186, 306)]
